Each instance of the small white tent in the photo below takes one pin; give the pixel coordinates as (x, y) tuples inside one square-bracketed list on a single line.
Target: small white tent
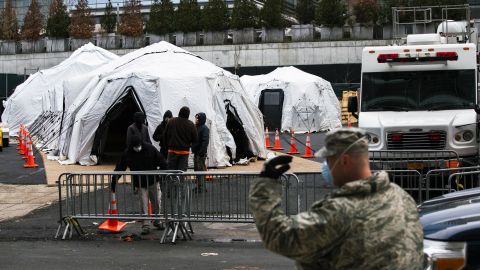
[(154, 79), (292, 99), (26, 103)]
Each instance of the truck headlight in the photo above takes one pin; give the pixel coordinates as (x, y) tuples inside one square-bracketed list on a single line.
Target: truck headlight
[(372, 138), (441, 255), (467, 135)]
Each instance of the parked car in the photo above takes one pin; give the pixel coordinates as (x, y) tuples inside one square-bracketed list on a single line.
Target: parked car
[(6, 134), (451, 226)]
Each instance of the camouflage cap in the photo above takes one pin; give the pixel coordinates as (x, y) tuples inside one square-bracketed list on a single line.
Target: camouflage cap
[(344, 140)]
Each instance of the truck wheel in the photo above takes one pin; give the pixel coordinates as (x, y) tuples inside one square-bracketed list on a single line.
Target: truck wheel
[(6, 142), (1, 149)]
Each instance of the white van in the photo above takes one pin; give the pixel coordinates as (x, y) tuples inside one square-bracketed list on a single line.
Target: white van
[(420, 96)]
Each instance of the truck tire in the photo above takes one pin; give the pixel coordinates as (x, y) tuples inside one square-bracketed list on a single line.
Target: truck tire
[(6, 142)]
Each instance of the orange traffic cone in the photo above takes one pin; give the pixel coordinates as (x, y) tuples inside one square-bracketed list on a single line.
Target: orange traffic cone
[(112, 224), (20, 139), (30, 161), (308, 149), (293, 145), (349, 123), (278, 145), (23, 143), (25, 156), (267, 139)]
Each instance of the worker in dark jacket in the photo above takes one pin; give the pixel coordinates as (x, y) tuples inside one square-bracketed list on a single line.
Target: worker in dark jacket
[(159, 131), (180, 134), (138, 128), (199, 149), (141, 156)]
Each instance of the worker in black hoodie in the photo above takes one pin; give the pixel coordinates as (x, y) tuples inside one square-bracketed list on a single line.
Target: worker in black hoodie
[(180, 134), (141, 156), (159, 131), (199, 149), (138, 128)]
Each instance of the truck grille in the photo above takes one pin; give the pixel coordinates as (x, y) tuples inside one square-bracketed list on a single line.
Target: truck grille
[(430, 140)]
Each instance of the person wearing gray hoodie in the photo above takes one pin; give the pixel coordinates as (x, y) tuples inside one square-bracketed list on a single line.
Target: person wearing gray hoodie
[(200, 148)]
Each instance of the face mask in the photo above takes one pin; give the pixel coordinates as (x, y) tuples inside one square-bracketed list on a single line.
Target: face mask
[(137, 148), (327, 176), (326, 172)]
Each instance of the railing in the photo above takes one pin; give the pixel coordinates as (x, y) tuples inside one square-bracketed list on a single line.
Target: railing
[(173, 195), (177, 201), (420, 160)]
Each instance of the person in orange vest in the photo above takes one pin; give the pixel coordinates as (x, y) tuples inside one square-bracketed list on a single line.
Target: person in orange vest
[(180, 134)]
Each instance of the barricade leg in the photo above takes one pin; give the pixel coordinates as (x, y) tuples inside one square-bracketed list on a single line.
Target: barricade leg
[(72, 224)]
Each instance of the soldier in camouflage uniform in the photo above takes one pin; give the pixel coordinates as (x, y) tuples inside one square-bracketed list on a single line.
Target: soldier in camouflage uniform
[(367, 223)]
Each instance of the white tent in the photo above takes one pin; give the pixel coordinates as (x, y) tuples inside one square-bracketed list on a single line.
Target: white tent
[(309, 102), (27, 101), (157, 78)]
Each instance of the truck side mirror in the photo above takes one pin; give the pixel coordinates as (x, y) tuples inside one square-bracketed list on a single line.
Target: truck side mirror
[(353, 106)]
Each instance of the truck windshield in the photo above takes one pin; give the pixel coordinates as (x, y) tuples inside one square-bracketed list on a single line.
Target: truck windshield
[(418, 90)]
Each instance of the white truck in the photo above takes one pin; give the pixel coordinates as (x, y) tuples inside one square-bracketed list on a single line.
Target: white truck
[(421, 96)]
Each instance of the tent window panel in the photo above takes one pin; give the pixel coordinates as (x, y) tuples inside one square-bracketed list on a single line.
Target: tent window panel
[(272, 98)]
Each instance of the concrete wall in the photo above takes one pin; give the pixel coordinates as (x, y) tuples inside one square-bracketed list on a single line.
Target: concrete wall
[(227, 56)]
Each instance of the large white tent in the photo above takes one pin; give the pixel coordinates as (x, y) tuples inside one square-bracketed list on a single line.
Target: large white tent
[(157, 78), (27, 101), (296, 100)]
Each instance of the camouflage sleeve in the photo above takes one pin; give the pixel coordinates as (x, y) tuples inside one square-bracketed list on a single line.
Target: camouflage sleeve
[(304, 237)]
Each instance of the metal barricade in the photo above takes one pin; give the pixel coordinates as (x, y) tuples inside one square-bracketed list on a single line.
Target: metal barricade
[(439, 182), (420, 160), (465, 180), (178, 202), (312, 188), (88, 196), (408, 180)]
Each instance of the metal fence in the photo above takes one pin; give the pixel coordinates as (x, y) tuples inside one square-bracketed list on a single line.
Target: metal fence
[(225, 199), (409, 180), (419, 160), (442, 181), (177, 201)]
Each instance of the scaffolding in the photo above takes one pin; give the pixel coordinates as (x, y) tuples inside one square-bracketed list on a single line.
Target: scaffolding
[(421, 20)]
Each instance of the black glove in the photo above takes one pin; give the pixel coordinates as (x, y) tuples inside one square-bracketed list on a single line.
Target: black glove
[(275, 167)]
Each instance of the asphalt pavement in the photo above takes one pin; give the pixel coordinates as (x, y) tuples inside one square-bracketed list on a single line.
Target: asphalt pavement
[(28, 243), (13, 172), (138, 255)]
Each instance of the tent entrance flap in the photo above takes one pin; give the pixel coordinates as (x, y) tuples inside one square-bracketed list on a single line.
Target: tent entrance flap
[(235, 126), (111, 136), (271, 106)]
